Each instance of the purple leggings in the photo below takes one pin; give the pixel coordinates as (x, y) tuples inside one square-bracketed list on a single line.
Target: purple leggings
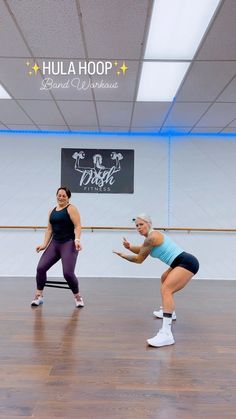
[(54, 252)]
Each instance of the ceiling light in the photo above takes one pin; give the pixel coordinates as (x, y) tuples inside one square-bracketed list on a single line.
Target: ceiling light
[(176, 30), (177, 27), (3, 93), (160, 80)]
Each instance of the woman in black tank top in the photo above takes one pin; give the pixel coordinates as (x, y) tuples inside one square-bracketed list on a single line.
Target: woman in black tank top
[(61, 241)]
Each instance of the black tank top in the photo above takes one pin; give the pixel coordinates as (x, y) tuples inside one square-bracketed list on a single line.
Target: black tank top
[(62, 226)]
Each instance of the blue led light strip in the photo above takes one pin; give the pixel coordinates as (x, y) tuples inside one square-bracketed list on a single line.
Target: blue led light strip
[(167, 134)]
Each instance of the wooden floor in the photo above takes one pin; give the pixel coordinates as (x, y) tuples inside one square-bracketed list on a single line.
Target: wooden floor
[(60, 362)]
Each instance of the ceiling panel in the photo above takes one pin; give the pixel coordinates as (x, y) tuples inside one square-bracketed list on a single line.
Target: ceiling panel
[(78, 113), (206, 80), (228, 130), (184, 115), (147, 129), (11, 113), (20, 127), (42, 112), (4, 127), (88, 128), (115, 129), (114, 29), (222, 113), (220, 41), (208, 130), (229, 94), (83, 31), (114, 113), (51, 28), (117, 87), (11, 42), (53, 127), (232, 124), (149, 113), (14, 74)]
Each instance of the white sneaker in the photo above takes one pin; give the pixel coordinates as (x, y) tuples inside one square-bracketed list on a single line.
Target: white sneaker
[(79, 303), (159, 314), (161, 339), (38, 300)]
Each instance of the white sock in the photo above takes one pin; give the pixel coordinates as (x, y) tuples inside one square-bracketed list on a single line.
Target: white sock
[(166, 324)]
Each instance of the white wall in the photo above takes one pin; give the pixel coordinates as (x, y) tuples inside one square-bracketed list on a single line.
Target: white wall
[(187, 181)]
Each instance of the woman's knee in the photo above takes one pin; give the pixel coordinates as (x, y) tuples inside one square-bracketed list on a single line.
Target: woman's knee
[(69, 275)]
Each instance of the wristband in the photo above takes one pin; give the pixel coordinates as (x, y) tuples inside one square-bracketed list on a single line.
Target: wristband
[(77, 240)]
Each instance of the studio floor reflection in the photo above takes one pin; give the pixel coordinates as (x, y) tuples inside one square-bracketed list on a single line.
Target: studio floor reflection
[(61, 362)]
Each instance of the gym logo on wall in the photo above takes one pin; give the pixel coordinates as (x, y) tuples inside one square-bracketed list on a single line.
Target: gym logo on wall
[(77, 74), (97, 170)]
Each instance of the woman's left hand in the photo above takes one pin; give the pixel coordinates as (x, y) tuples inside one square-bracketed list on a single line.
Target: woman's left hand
[(78, 245), (117, 253)]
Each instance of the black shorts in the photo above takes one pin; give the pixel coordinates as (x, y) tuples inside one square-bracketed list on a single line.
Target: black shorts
[(186, 261)]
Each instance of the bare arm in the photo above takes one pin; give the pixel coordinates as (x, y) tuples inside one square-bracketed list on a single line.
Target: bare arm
[(133, 249), (75, 218), (47, 237), (143, 253)]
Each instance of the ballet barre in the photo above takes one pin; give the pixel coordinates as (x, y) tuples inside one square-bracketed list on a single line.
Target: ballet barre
[(121, 228)]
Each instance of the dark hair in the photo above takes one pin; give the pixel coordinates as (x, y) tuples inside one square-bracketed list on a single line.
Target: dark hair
[(67, 191)]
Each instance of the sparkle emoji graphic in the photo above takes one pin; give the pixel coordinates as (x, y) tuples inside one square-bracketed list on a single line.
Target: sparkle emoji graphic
[(35, 68), (121, 69), (124, 68)]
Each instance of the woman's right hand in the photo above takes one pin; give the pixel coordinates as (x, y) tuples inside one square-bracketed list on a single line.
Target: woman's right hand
[(40, 248), (126, 244)]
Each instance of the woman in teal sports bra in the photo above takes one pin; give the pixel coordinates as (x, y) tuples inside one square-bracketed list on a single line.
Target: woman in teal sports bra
[(182, 267)]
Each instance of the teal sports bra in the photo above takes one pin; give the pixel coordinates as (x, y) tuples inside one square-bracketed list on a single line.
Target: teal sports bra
[(167, 251)]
